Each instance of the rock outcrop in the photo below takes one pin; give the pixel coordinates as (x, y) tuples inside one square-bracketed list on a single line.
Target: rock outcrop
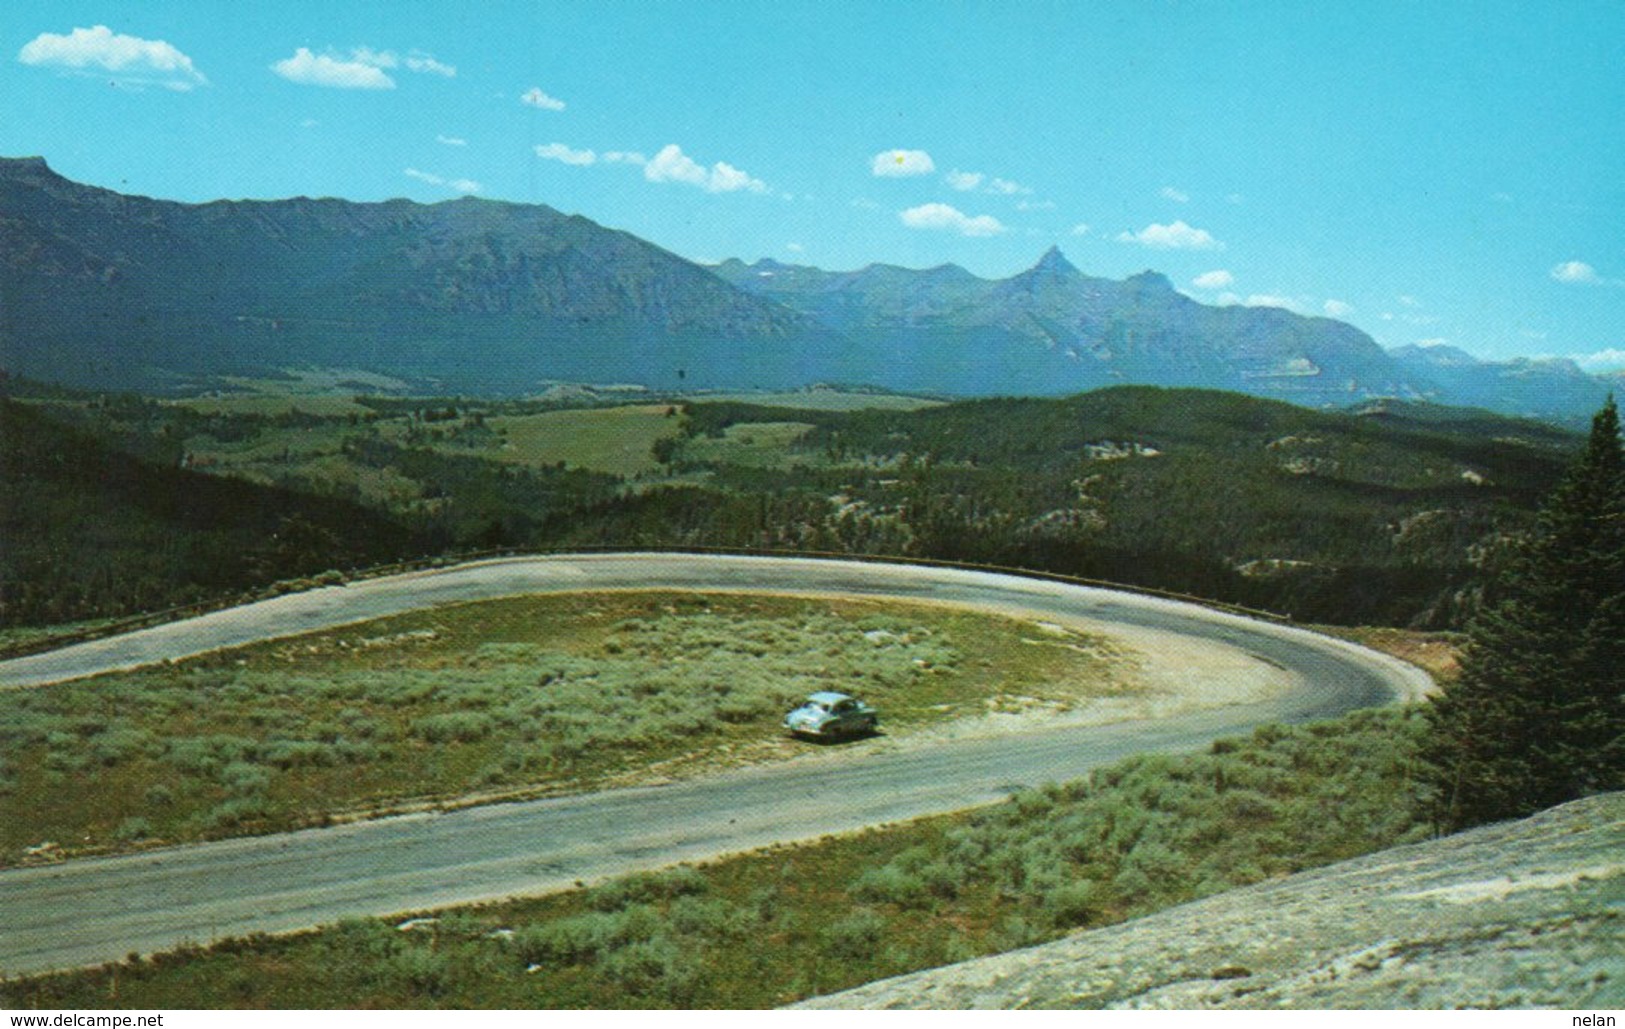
[(1524, 914)]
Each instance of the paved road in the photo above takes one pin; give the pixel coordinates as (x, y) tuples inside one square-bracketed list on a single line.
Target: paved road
[(92, 910)]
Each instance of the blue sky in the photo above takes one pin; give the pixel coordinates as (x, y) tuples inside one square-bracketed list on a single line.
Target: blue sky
[(1435, 172)]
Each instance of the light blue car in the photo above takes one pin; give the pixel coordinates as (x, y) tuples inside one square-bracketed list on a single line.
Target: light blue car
[(832, 714)]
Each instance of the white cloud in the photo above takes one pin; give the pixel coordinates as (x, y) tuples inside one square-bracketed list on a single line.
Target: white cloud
[(1080, 229), (1177, 236), (536, 98), (900, 164), (1410, 301), (451, 140), (1216, 279), (1602, 361), (625, 157), (1436, 341), (1230, 299), (308, 69), (1005, 187), (1035, 205), (1338, 309), (374, 58), (1410, 319), (455, 185), (795, 248), (964, 181), (725, 178), (130, 58), (421, 62), (1271, 300), (941, 216), (560, 152), (672, 165), (1575, 271), (417, 61), (1177, 196)]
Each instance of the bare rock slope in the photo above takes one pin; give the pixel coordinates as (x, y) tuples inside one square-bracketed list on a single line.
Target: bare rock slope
[(1521, 914)]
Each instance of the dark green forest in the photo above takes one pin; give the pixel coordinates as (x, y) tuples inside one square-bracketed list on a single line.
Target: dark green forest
[(1391, 517), (1396, 514), (90, 530), (1537, 716)]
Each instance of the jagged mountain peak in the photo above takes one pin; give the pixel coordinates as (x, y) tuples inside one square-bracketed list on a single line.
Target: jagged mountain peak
[(1055, 263), (1052, 270), (122, 290)]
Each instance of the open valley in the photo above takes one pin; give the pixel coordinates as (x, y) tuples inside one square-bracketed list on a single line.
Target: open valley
[(602, 506)]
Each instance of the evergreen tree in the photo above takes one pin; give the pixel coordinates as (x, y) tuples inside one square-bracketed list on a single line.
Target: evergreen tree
[(1538, 715)]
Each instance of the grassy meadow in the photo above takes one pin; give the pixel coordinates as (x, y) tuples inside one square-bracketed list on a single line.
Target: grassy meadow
[(324, 405), (820, 398), (499, 698), (786, 923), (750, 445), (612, 440)]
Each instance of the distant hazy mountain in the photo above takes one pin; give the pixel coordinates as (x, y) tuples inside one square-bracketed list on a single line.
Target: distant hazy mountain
[(1555, 389), (1052, 329), (109, 289), (102, 289)]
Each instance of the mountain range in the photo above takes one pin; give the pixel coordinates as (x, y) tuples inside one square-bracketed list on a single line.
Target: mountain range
[(108, 290)]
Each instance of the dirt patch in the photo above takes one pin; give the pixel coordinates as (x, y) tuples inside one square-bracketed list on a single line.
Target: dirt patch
[(1437, 653), (1155, 674)]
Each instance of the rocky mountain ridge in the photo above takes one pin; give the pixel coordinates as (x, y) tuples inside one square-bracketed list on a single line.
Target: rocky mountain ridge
[(108, 290), (123, 290)]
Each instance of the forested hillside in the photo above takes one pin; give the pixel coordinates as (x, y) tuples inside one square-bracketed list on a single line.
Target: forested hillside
[(91, 531), (1390, 516), (1393, 515)]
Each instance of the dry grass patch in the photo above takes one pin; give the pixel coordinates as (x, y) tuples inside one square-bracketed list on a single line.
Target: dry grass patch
[(1437, 653), (785, 923), (493, 699)]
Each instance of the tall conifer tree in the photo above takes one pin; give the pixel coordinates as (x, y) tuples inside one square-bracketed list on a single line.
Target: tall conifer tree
[(1538, 715)]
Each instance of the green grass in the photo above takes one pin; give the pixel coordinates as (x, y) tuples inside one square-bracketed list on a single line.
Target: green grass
[(613, 440), (616, 440), (499, 698), (789, 922), (273, 404), (272, 454), (751, 445), (24, 638), (826, 400)]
